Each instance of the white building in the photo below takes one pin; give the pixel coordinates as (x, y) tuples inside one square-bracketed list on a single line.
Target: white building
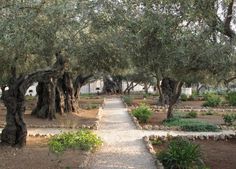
[(92, 87)]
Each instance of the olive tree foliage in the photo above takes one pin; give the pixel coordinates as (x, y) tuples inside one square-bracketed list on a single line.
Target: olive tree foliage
[(101, 44), (176, 40), (32, 33)]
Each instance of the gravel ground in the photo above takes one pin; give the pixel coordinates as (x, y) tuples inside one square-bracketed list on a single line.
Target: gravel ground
[(123, 146)]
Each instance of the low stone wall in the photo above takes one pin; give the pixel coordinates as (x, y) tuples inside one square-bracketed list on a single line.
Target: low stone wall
[(166, 128), (199, 110), (148, 141), (94, 126)]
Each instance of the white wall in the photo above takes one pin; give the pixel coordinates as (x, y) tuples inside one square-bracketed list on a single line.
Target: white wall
[(138, 88), (31, 91), (187, 91), (91, 87)]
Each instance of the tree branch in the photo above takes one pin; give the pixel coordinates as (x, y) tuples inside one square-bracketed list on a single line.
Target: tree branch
[(228, 31)]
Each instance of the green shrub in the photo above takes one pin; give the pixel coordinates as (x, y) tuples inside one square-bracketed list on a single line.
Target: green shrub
[(204, 127), (183, 97), (195, 96), (128, 100), (231, 98), (142, 113), (191, 125), (82, 140), (157, 142), (229, 119), (191, 114), (212, 100), (210, 112), (92, 106), (181, 154)]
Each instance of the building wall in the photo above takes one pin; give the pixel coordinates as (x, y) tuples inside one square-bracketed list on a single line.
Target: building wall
[(92, 87)]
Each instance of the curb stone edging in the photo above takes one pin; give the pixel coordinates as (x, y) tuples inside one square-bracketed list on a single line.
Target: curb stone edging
[(147, 140), (152, 151), (85, 163), (166, 128), (134, 119), (93, 126)]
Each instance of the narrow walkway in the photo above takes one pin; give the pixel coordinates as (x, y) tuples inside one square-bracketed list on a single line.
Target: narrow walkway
[(123, 146)]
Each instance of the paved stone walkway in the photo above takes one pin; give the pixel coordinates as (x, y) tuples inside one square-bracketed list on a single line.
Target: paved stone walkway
[(123, 145)]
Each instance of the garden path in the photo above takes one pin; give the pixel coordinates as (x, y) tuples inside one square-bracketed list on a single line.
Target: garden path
[(123, 146)]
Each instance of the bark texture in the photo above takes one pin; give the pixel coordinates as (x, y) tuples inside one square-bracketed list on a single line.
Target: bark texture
[(80, 81), (15, 131), (55, 96), (46, 107), (112, 85), (171, 90)]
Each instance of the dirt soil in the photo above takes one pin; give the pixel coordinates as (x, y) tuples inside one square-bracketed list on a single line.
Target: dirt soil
[(36, 155), (216, 154), (158, 117), (70, 120), (149, 101), (219, 154), (193, 104)]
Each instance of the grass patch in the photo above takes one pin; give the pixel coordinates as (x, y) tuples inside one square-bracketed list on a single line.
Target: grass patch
[(229, 119), (90, 106), (191, 125), (191, 114), (81, 140), (231, 98), (128, 100), (212, 100), (210, 113)]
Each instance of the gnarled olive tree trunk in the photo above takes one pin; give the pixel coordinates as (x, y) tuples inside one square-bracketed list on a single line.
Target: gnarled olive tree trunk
[(15, 131), (67, 86), (112, 85), (46, 107), (171, 91), (55, 96), (80, 81)]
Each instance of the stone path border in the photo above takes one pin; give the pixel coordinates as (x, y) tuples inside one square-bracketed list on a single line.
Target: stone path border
[(94, 126), (123, 144), (148, 142), (166, 128)]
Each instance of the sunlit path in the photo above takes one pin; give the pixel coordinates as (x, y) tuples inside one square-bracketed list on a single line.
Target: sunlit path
[(123, 146)]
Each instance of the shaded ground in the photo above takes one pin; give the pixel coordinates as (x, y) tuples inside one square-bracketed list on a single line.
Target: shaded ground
[(36, 155), (216, 154), (71, 120)]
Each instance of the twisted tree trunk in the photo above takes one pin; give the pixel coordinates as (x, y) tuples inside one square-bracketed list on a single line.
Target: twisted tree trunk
[(171, 90), (55, 96), (70, 104), (15, 131), (80, 81), (46, 107)]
